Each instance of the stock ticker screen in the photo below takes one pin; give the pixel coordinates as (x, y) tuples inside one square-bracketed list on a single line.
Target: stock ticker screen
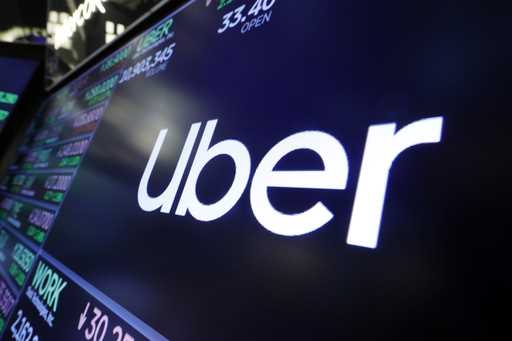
[(15, 73), (246, 170)]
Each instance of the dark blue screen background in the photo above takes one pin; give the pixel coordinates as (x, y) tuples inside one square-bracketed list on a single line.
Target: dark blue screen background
[(332, 66)]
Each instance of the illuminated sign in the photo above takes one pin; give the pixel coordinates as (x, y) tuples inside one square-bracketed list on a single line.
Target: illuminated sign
[(383, 145), (156, 35), (48, 284), (84, 12), (45, 290)]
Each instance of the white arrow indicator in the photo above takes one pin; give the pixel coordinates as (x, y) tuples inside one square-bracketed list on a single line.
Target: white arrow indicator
[(83, 317)]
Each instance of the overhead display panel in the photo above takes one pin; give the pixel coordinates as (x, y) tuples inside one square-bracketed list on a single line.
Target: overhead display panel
[(15, 73), (248, 170)]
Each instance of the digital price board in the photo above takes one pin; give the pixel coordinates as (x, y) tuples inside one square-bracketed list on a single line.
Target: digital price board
[(31, 194), (250, 170)]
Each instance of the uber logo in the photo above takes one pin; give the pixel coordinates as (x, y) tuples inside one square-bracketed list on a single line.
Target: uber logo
[(383, 145)]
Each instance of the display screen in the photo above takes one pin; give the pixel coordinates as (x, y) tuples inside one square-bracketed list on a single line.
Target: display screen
[(250, 170), (15, 73)]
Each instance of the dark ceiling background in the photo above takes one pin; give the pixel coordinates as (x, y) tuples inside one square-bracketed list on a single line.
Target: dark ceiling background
[(27, 13)]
